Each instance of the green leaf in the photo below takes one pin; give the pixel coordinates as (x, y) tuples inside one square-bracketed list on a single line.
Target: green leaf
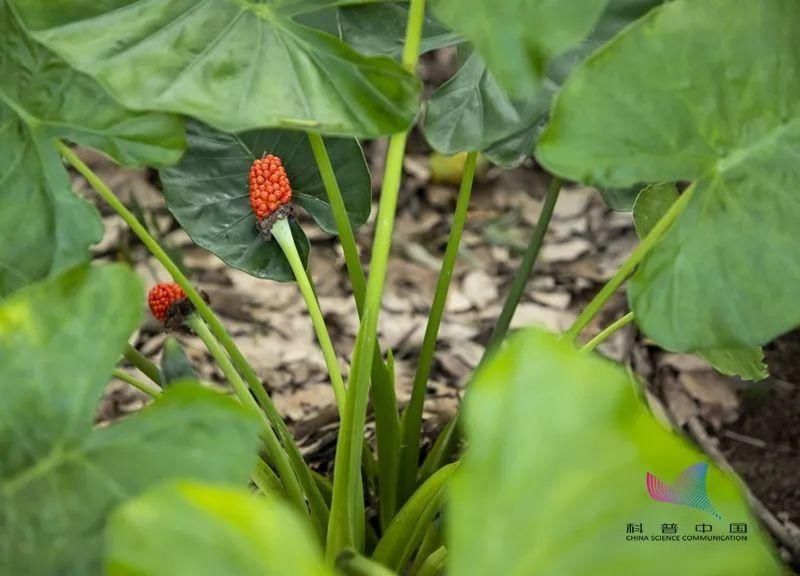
[(195, 530), (557, 500), (175, 364), (471, 111), (717, 115), (207, 192), (53, 100), (59, 479), (381, 29), (518, 37), (747, 363), (233, 64), (651, 204), (44, 227)]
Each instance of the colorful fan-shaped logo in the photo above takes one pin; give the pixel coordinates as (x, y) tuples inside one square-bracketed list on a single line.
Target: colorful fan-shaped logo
[(689, 489)]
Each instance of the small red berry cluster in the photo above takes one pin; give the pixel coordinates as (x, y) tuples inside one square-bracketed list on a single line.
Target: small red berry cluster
[(163, 297), (269, 186)]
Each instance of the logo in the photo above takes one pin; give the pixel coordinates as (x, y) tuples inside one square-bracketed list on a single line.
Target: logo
[(689, 489)]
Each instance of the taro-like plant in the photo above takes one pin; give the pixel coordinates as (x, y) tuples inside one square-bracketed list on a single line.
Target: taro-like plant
[(253, 112)]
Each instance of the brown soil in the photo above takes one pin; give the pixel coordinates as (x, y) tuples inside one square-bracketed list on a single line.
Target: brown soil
[(768, 453)]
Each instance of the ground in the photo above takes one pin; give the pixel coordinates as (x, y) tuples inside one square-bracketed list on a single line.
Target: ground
[(755, 428)]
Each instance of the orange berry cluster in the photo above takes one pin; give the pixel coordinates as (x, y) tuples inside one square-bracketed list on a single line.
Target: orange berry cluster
[(162, 296), (269, 186)]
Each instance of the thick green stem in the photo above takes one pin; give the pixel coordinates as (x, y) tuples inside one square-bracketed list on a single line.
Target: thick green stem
[(525, 269), (628, 266), (318, 507), (146, 387), (347, 489), (275, 452), (607, 332), (342, 530), (412, 417), (384, 401), (142, 363), (282, 232)]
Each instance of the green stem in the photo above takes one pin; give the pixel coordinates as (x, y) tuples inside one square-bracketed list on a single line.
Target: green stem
[(524, 270), (435, 563), (628, 266), (384, 401), (442, 448), (142, 363), (346, 237), (347, 489), (608, 331), (412, 416), (282, 232), (146, 387), (276, 454), (319, 510)]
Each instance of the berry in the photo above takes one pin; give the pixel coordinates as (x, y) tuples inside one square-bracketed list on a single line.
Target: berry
[(162, 297), (269, 186)]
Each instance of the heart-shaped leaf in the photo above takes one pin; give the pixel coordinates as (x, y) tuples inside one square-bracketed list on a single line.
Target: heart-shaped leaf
[(168, 532), (44, 227), (718, 115), (59, 479), (207, 192), (236, 65), (652, 203), (563, 496), (517, 38), (471, 111)]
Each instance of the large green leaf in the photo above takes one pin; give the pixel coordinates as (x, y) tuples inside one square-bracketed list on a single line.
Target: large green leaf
[(237, 65), (724, 111), (207, 192), (195, 530), (59, 341), (44, 227), (517, 38), (651, 204), (471, 111), (557, 500), (54, 100)]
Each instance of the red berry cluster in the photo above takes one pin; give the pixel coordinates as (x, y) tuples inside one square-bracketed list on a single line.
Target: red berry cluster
[(269, 186), (162, 296)]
